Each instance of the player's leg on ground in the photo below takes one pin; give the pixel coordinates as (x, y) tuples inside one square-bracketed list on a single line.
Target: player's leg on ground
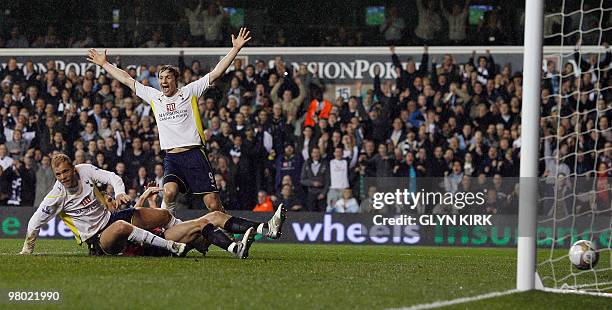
[(171, 190), (189, 231), (217, 237), (186, 232), (213, 202), (148, 219), (238, 225), (115, 236)]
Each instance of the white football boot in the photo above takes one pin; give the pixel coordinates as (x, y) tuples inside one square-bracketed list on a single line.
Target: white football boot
[(275, 224), (245, 243)]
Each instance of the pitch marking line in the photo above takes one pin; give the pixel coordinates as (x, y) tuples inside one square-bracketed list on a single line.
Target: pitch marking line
[(451, 302), (577, 292)]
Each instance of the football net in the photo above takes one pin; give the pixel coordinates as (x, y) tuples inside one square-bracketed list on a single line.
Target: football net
[(575, 201)]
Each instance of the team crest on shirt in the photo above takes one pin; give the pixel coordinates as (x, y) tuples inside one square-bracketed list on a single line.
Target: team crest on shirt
[(170, 107), (86, 201)]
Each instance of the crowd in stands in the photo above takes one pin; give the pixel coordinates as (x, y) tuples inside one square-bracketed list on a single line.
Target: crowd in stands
[(274, 136), (201, 23)]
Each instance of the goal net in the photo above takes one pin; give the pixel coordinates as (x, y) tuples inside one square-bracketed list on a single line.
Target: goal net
[(575, 144)]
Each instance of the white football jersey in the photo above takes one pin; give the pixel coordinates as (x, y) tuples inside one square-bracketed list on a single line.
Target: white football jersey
[(82, 212), (177, 117)]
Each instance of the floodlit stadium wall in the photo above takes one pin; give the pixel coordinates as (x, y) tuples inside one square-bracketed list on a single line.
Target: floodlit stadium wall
[(306, 227)]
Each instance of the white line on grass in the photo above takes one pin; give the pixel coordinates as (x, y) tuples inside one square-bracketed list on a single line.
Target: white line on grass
[(451, 302), (42, 253), (577, 292)]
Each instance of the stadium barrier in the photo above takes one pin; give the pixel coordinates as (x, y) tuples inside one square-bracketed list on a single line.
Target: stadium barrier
[(306, 227)]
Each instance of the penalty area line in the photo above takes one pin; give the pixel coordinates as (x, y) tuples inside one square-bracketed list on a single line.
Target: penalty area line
[(461, 300)]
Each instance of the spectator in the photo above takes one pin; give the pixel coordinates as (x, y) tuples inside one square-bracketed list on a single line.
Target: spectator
[(13, 71), (486, 67), (45, 178), (28, 180), (212, 22), (393, 27), (14, 178), (316, 177), (382, 162), (347, 204), (264, 204), (306, 143), (429, 23), (367, 204), (592, 66), (317, 110), (289, 104), (17, 40), (141, 181), (408, 75), (6, 161), (490, 30), (289, 199), (289, 164), (135, 158), (18, 146), (89, 134), (339, 170), (456, 21), (196, 26)]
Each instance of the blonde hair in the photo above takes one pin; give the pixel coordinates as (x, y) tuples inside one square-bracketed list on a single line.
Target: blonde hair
[(60, 158)]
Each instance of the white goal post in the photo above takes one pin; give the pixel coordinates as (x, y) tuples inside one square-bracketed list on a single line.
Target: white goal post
[(574, 127), (530, 143)]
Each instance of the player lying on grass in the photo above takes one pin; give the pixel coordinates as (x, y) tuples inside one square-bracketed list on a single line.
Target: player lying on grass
[(77, 200), (209, 227)]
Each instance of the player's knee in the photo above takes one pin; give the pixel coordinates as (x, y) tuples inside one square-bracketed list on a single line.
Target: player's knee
[(169, 194), (202, 222), (214, 215), (122, 227), (213, 204)]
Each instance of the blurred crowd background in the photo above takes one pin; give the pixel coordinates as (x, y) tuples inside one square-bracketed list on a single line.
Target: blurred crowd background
[(273, 135), (198, 23)]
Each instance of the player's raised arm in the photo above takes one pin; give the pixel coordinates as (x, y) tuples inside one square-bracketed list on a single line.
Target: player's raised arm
[(237, 44), (118, 74)]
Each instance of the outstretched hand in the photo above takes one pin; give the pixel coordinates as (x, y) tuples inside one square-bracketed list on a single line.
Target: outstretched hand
[(97, 58), (242, 38)]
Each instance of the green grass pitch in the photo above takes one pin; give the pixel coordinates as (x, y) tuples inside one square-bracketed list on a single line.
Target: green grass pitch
[(276, 276)]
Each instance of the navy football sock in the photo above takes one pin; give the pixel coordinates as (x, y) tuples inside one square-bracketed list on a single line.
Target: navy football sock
[(219, 238), (240, 225)]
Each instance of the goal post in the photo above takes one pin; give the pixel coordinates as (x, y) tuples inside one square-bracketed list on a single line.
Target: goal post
[(566, 146), (530, 142)]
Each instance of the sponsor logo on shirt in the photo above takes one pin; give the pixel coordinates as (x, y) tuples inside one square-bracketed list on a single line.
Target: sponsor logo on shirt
[(176, 114), (170, 107)]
